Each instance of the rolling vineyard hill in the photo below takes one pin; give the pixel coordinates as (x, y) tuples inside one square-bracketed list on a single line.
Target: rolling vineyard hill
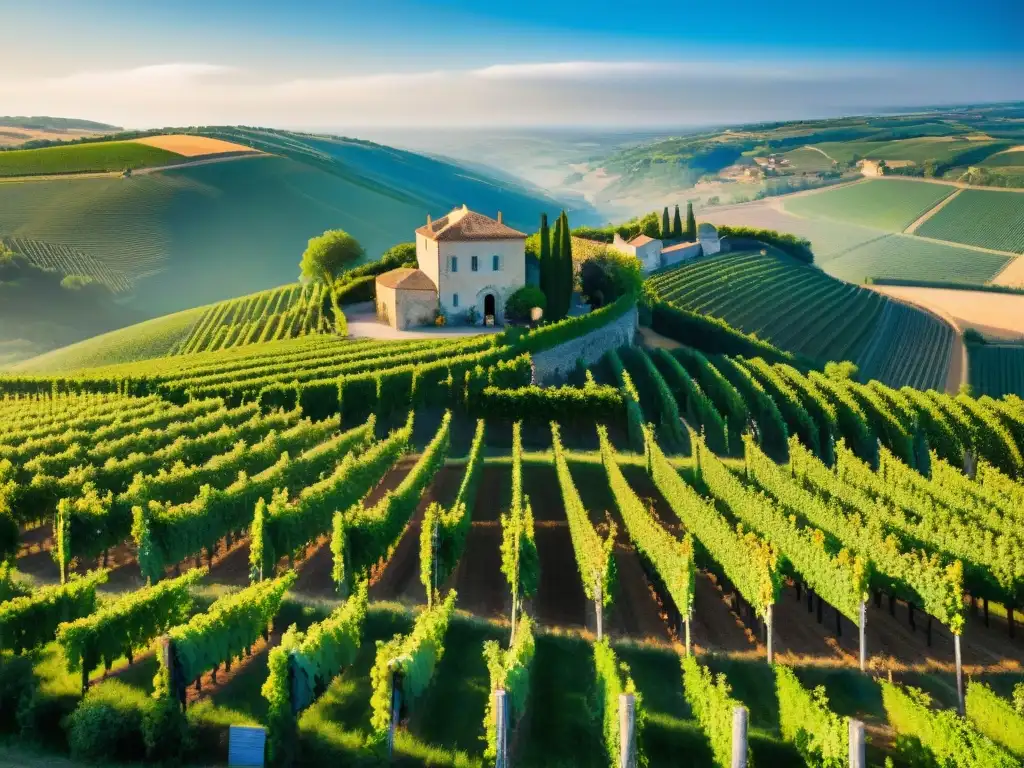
[(330, 484), (996, 369), (84, 158), (203, 233), (800, 308)]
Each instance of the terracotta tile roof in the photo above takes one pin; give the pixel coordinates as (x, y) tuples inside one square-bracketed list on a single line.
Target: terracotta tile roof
[(464, 224), (677, 247), (407, 279), (641, 240)]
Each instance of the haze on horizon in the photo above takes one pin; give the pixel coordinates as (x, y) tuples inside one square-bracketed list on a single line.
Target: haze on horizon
[(315, 64)]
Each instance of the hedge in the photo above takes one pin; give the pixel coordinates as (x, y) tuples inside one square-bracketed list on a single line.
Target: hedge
[(593, 402), (711, 335), (792, 245)]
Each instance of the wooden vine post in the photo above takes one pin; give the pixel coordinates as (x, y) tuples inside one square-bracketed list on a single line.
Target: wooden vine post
[(396, 709), (501, 759), (863, 625), (739, 738), (689, 646), (768, 629), (858, 757), (959, 674), (627, 731), (599, 607)]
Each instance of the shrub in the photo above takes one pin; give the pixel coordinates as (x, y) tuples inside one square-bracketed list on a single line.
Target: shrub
[(797, 247), (519, 304), (108, 723), (609, 275)]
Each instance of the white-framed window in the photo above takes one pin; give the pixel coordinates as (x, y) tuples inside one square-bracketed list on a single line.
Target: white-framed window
[(455, 263), (474, 263), (496, 263), (455, 299)]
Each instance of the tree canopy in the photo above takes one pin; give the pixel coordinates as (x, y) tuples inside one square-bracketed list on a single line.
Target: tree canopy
[(328, 255)]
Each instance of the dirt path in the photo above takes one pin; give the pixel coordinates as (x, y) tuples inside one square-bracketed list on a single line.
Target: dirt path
[(400, 578), (1012, 274), (822, 151), (478, 578), (930, 212)]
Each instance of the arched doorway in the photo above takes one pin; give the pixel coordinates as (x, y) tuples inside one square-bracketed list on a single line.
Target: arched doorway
[(489, 306)]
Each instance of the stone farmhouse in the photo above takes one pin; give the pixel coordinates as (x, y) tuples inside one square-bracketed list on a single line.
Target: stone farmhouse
[(466, 261), (654, 254)]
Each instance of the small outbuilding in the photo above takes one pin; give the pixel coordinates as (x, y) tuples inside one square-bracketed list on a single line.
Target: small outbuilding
[(647, 249), (707, 236), (406, 298)]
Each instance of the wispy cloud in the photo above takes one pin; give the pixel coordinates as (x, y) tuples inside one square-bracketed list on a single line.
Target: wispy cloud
[(584, 92)]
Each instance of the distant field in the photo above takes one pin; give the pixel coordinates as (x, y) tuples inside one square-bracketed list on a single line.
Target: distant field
[(995, 315), (911, 258), (192, 146), (1013, 158), (917, 150), (890, 205), (153, 338), (985, 218), (996, 370), (84, 158), (13, 136), (809, 160)]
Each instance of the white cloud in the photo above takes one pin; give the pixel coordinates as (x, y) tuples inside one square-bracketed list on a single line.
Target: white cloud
[(581, 93)]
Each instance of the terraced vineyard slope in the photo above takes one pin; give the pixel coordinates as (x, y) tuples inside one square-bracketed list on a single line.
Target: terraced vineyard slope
[(890, 205), (801, 309), (996, 369)]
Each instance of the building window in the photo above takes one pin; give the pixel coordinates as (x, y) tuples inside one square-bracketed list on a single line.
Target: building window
[(475, 264), (496, 262), (455, 263), (455, 299)]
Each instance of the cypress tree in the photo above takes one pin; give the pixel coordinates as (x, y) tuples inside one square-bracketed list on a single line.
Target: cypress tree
[(566, 283), (544, 257), (677, 225), (691, 223), (666, 231), (554, 275)]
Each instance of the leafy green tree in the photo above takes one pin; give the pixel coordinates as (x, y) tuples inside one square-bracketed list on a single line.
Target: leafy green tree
[(666, 228), (677, 225), (328, 255), (519, 304), (691, 223)]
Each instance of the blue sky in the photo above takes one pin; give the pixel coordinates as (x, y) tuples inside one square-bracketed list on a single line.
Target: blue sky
[(313, 63)]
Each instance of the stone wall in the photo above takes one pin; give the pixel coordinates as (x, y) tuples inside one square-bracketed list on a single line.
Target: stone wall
[(554, 365)]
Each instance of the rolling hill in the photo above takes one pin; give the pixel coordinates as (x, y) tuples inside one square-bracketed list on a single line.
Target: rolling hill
[(211, 229)]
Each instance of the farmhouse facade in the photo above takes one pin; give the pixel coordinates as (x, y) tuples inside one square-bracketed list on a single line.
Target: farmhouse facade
[(467, 261), (646, 249)]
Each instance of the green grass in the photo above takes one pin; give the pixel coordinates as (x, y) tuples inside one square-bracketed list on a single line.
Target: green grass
[(1009, 160), (911, 258), (82, 158), (985, 218), (996, 369), (890, 205), (151, 339), (806, 159)]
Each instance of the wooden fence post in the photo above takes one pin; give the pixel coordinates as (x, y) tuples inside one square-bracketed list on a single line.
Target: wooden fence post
[(627, 730), (501, 724), (857, 747), (396, 708), (863, 636), (739, 737), (959, 674)]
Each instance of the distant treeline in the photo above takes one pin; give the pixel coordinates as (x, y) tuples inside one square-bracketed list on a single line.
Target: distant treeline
[(44, 123)]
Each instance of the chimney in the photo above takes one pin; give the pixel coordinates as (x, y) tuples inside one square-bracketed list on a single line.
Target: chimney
[(465, 207), (428, 220), (499, 218)]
